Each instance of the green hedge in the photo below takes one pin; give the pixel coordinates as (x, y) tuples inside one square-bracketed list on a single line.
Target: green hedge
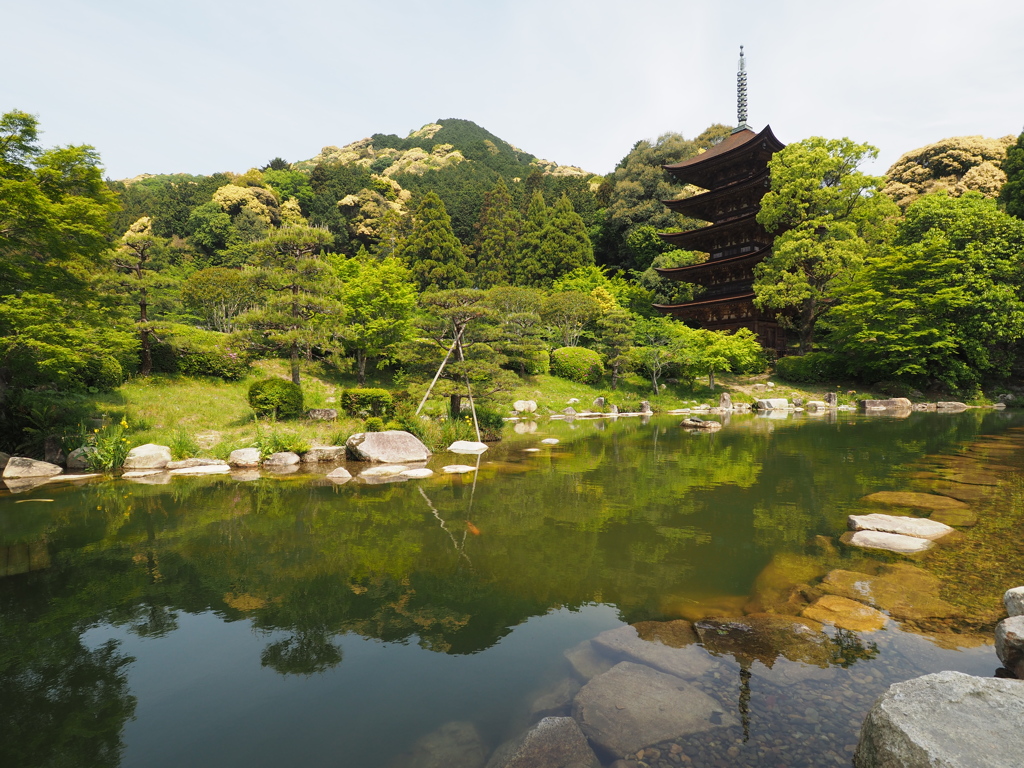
[(812, 368), (198, 352), (276, 397), (577, 364), (372, 402), (538, 363)]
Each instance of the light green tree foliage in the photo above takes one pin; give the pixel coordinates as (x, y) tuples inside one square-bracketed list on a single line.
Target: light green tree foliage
[(635, 191), (528, 265), (663, 290), (141, 280), (218, 295), (957, 165), (657, 344), (615, 340), (460, 314), (517, 311), (1012, 193), (943, 304), (827, 213), (711, 352), (568, 314), (497, 233), (433, 253), (299, 293), (379, 302)]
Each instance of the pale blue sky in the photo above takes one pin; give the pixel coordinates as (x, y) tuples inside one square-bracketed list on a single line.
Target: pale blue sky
[(199, 87)]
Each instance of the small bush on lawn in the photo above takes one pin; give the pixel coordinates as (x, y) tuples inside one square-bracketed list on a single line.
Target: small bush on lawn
[(812, 368), (374, 424), (197, 352), (371, 402), (577, 364), (276, 397)]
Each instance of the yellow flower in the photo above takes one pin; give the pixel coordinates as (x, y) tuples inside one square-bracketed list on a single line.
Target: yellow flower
[(124, 423), (96, 431)]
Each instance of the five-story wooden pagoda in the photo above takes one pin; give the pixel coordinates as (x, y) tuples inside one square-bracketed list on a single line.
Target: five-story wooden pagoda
[(735, 175)]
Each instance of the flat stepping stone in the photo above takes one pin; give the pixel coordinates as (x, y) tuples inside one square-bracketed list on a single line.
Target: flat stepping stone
[(388, 470), (960, 491), (137, 473), (72, 478), (416, 474), (845, 614), (905, 591), (203, 469), (467, 446), (549, 441), (959, 518), (973, 478), (891, 542), (919, 527), (687, 660), (913, 499), (457, 469), (531, 450)]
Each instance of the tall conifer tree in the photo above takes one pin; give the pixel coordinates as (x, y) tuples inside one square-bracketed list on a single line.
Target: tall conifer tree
[(433, 253), (528, 268), (565, 245), (498, 230)]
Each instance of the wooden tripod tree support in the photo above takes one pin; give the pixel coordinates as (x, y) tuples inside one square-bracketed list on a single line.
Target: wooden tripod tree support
[(456, 344)]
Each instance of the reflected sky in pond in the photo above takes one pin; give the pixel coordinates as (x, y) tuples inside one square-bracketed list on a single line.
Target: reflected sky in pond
[(291, 621)]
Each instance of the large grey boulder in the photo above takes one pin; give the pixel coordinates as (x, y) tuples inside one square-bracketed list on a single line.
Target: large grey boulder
[(1010, 644), (390, 447), (281, 459), (945, 720), (245, 457), (19, 467), (148, 456), (919, 527), (525, 406), (632, 706), (320, 453), (831, 399), (951, 407), (1013, 599), (725, 401), (554, 742), (453, 745)]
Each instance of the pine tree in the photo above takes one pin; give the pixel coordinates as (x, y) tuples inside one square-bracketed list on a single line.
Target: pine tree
[(528, 269), (1012, 193), (433, 253), (299, 291), (565, 245), (498, 230)]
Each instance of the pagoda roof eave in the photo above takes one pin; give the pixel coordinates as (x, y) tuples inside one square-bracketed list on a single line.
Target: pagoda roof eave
[(672, 272), (713, 229), (727, 149), (707, 302), (708, 197)]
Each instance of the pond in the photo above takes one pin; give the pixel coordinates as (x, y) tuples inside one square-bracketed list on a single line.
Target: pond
[(287, 620)]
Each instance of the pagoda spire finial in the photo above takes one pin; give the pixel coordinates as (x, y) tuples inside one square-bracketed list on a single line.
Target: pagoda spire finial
[(741, 95)]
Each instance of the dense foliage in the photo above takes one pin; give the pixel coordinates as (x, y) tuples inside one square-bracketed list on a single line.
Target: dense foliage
[(276, 397), (577, 364)]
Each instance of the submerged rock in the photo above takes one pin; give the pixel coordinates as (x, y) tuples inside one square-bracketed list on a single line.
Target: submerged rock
[(554, 742), (683, 657), (632, 706), (913, 499), (845, 614), (904, 591), (555, 700), (765, 637), (946, 719), (391, 447), (453, 745), (587, 660)]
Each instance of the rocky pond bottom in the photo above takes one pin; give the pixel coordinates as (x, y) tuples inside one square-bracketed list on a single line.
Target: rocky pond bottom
[(633, 594)]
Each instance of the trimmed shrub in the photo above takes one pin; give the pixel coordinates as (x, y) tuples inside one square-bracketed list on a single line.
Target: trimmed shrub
[(538, 363), (276, 397), (373, 424), (812, 368), (577, 364), (197, 352), (372, 402)]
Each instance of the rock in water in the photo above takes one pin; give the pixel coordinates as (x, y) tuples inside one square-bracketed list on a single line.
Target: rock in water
[(831, 399), (467, 446), (549, 441), (725, 401), (245, 457), (418, 473), (281, 459), (632, 706), (915, 500), (203, 469), (892, 404), (79, 458), (687, 660), (845, 614), (148, 456), (391, 447), (1013, 599), (1010, 644), (946, 719), (19, 467), (772, 404), (320, 453), (918, 527), (890, 542), (554, 742), (587, 661), (453, 745), (339, 475), (701, 424), (904, 591), (194, 462)]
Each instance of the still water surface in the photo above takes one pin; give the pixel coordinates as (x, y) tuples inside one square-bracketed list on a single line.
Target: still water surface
[(289, 621)]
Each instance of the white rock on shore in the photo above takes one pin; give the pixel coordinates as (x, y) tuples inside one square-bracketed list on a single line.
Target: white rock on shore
[(19, 467), (148, 456)]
